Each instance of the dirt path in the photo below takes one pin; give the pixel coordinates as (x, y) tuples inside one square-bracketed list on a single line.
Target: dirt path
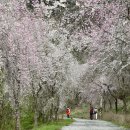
[(82, 124)]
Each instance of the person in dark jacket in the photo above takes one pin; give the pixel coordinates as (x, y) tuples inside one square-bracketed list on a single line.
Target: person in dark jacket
[(91, 112)]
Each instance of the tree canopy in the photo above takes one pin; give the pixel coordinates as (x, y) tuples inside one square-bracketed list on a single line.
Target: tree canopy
[(56, 53)]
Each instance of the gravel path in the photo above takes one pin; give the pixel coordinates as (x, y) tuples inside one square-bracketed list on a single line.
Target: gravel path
[(82, 124)]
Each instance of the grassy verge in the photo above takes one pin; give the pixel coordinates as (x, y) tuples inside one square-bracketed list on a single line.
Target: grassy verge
[(56, 125), (119, 119), (27, 121), (81, 112)]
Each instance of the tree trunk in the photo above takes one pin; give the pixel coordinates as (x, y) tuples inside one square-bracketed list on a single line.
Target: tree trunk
[(16, 92), (116, 105), (35, 118), (56, 113), (110, 104), (17, 116), (43, 117), (35, 112), (104, 105), (51, 112), (125, 105)]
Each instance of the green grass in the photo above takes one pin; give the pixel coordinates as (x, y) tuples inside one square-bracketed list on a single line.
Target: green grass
[(56, 125), (27, 121), (81, 112)]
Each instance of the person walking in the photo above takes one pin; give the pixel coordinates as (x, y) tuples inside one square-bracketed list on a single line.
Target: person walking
[(91, 112), (95, 112), (68, 112)]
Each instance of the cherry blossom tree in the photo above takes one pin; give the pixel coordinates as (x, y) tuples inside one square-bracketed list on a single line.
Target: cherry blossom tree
[(55, 52)]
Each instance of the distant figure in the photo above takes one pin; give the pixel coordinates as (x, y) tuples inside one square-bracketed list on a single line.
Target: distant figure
[(68, 112), (95, 112), (91, 112)]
